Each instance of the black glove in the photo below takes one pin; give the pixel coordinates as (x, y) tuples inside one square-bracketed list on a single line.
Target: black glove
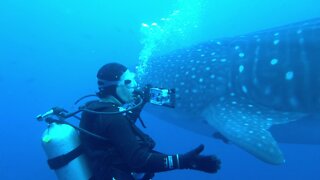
[(193, 160)]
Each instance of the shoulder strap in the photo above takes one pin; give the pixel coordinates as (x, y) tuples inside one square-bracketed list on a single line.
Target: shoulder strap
[(97, 105)]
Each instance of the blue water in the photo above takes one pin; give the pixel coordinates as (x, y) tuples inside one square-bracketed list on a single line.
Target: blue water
[(50, 52)]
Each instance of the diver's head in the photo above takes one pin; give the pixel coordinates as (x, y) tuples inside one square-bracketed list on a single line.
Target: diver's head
[(116, 80)]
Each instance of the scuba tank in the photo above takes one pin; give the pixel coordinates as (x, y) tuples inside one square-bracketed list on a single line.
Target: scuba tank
[(62, 145)]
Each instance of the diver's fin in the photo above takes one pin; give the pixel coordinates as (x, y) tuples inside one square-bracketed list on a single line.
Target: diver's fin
[(246, 125)]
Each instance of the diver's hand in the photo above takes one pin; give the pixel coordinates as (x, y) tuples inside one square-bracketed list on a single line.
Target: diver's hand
[(144, 93), (193, 160)]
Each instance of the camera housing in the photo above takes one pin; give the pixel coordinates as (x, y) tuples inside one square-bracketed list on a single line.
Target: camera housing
[(163, 97)]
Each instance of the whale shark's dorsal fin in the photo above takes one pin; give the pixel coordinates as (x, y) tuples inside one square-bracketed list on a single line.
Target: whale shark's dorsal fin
[(246, 125)]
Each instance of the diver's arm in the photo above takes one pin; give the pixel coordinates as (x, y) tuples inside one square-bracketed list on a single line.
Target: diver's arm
[(143, 159), (122, 136)]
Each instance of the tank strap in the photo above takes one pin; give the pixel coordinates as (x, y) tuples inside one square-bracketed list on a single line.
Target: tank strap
[(62, 160)]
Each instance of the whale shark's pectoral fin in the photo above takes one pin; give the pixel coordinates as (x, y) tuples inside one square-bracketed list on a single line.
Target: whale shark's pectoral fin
[(246, 125)]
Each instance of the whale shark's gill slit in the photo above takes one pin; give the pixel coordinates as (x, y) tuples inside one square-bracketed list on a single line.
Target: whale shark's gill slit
[(246, 125)]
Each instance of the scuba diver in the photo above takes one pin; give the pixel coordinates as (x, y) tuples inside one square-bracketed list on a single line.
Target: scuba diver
[(126, 151), (108, 145)]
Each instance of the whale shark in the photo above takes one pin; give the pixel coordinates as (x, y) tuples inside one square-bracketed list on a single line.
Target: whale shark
[(245, 89)]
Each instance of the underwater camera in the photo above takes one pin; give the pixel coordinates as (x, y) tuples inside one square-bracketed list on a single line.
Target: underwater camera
[(162, 97)]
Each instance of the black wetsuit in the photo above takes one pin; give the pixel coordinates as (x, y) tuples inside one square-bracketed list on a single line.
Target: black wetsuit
[(127, 149)]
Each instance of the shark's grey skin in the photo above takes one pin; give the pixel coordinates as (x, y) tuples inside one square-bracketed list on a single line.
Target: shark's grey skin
[(241, 86)]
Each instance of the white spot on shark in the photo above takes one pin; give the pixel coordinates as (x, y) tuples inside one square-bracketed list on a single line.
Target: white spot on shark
[(241, 68), (223, 60), (193, 76), (276, 34), (236, 47), (289, 75), (275, 42), (244, 89), (274, 61), (213, 53), (212, 76), (214, 60), (201, 80), (299, 31), (241, 54), (267, 90), (293, 101), (301, 40), (208, 68), (229, 84)]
